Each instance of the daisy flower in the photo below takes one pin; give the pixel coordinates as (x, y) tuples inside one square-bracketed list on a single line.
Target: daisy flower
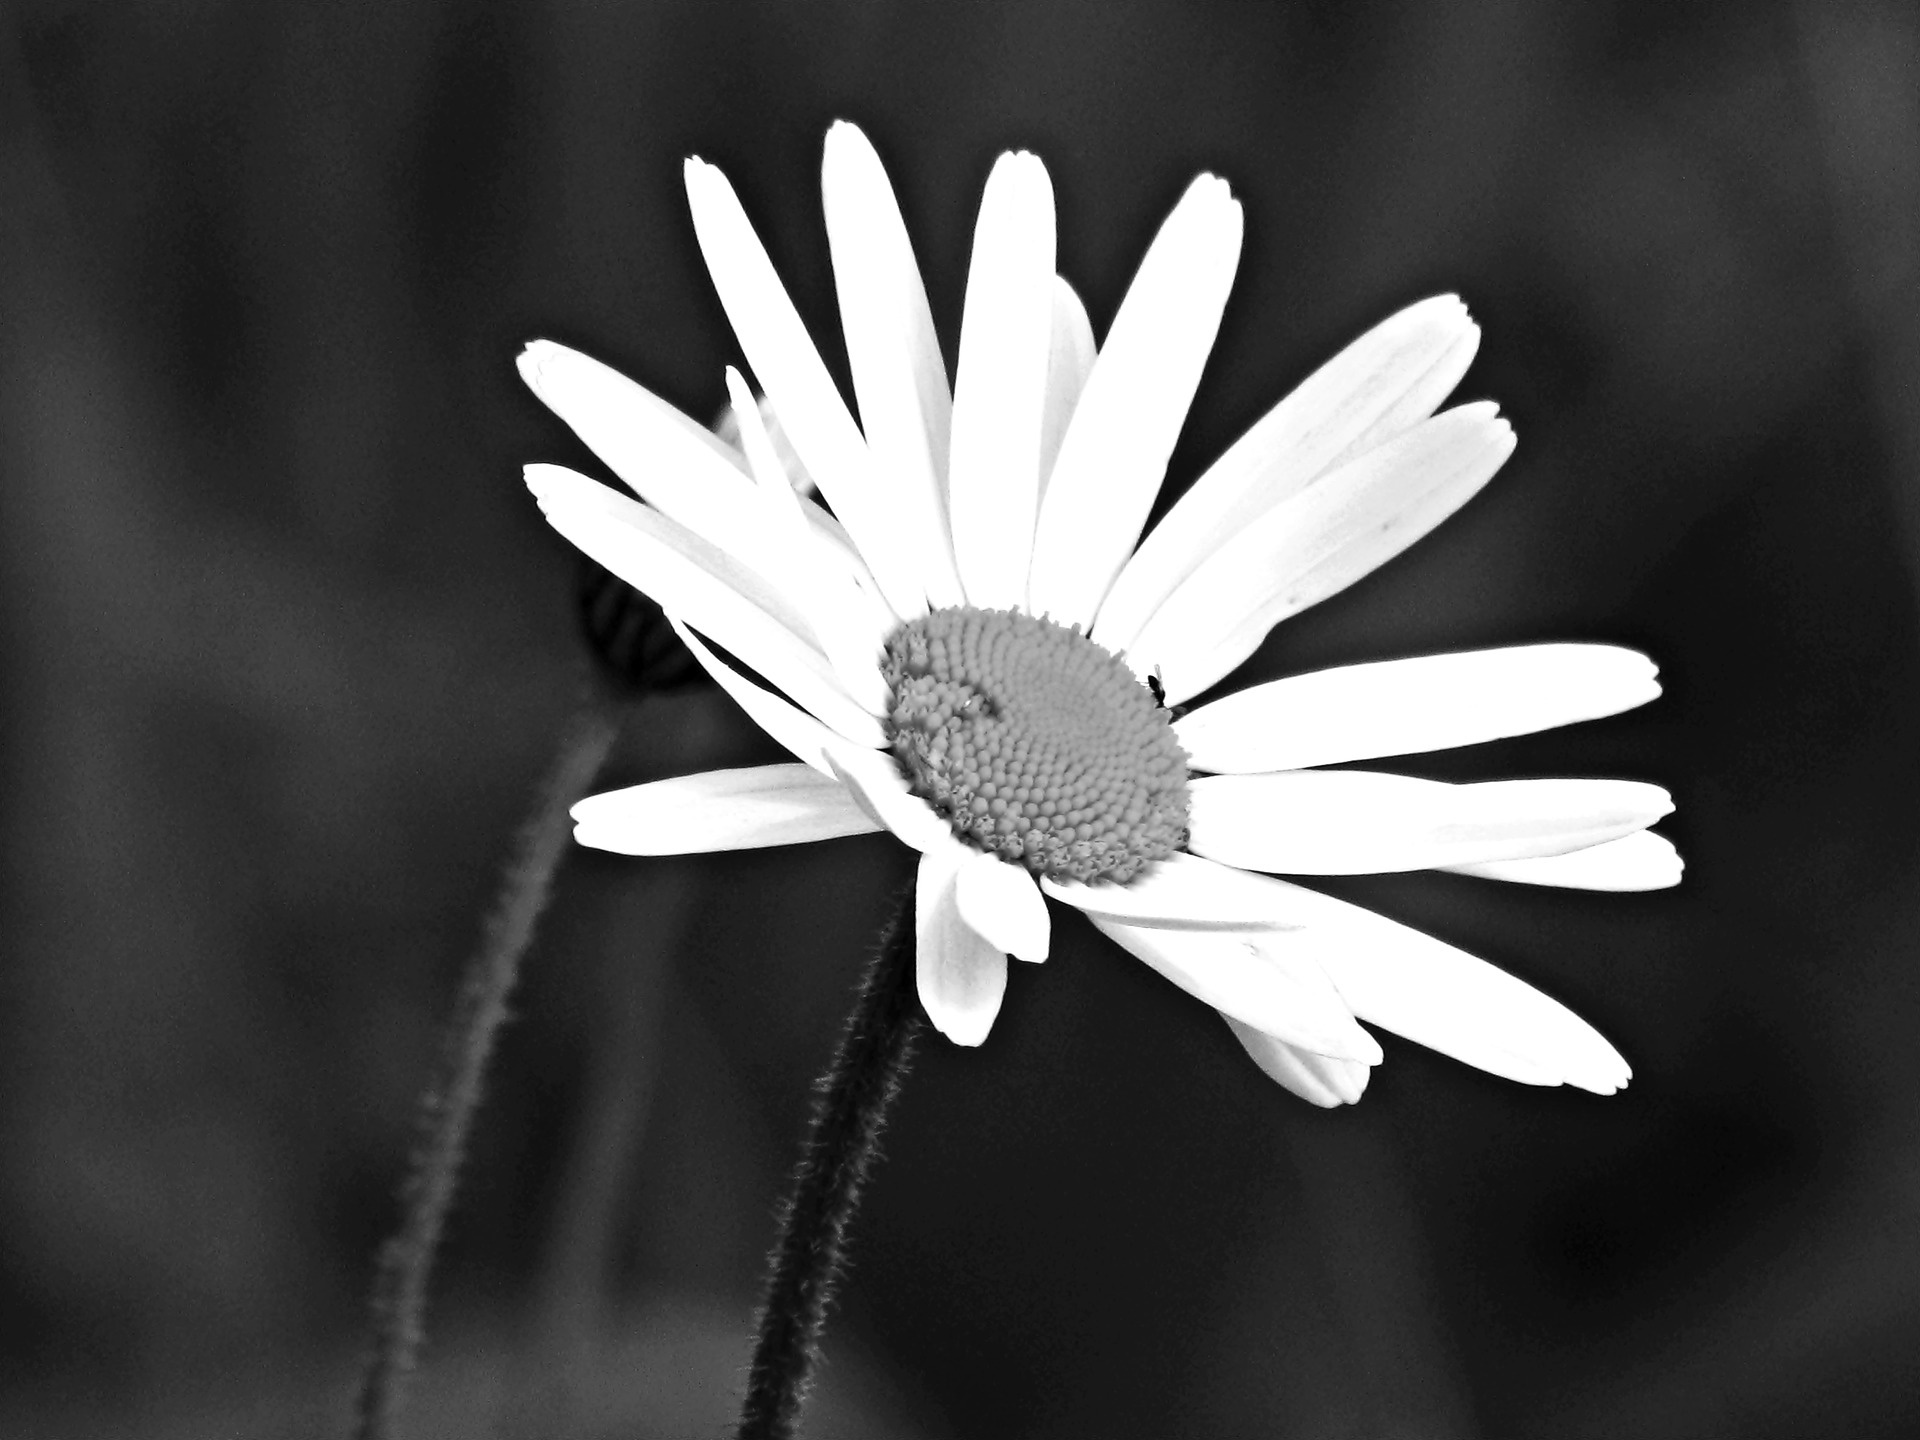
[(971, 646)]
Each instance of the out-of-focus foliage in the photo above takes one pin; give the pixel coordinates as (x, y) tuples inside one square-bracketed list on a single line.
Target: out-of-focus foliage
[(286, 646)]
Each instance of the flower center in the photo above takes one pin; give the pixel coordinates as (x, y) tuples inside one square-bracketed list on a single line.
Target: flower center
[(1035, 744)]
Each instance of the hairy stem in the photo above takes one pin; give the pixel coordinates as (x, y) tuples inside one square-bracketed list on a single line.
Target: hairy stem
[(842, 1144), (447, 1108)]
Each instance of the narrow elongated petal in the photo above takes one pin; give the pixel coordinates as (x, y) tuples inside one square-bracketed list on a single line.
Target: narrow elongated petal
[(1115, 452), (1255, 977), (961, 976), (1318, 1079), (727, 428), (993, 474), (1000, 902), (720, 810), (1405, 707), (694, 581), (831, 538), (899, 377), (1182, 892), (875, 782), (1642, 861), (791, 372), (797, 561), (1317, 543), (1358, 822), (669, 460), (1414, 985), (1069, 362), (804, 736), (1390, 378)]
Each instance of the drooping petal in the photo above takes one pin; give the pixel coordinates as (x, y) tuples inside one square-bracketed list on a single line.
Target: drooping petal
[(1360, 822), (1391, 377), (874, 780), (993, 473), (720, 810), (791, 372), (1424, 989), (805, 737), (899, 377), (1256, 977), (1069, 362), (848, 631), (1182, 892), (961, 976), (1000, 902), (1317, 543), (1642, 861), (697, 582), (1405, 707), (1115, 452), (1318, 1079)]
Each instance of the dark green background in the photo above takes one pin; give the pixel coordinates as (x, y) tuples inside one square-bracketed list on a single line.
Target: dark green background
[(286, 647)]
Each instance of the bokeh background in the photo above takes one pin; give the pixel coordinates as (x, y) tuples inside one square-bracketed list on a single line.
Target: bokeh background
[(287, 648)]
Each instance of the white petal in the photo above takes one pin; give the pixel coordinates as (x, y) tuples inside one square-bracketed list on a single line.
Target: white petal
[(681, 470), (1115, 452), (1256, 977), (696, 582), (899, 377), (804, 736), (875, 781), (772, 485), (1319, 542), (961, 976), (790, 371), (993, 473), (1642, 861), (1414, 985), (1360, 822), (832, 541), (845, 629), (1388, 379), (1404, 707), (720, 810), (728, 426), (1069, 362), (1182, 892), (669, 460), (1318, 1079), (1000, 902)]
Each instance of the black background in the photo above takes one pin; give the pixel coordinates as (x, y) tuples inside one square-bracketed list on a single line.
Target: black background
[(286, 647)]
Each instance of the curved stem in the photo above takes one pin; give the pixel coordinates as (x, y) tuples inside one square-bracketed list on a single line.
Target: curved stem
[(447, 1108), (842, 1144)]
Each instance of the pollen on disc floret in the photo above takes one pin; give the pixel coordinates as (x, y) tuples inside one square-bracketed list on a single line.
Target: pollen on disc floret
[(1035, 744)]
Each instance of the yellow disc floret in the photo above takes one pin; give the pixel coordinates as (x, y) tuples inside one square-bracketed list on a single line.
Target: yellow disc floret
[(1035, 744)]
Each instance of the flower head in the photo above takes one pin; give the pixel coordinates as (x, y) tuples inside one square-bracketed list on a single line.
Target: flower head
[(971, 646)]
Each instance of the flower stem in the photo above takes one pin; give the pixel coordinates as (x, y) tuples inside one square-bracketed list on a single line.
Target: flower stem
[(447, 1108), (842, 1144)]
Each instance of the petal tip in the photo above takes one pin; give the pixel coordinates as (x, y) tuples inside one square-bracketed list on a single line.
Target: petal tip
[(701, 179), (1026, 170), (532, 363), (847, 147), (964, 1032), (540, 480), (595, 833), (1209, 186)]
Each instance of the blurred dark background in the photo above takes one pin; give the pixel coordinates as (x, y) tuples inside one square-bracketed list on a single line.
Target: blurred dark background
[(287, 647)]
